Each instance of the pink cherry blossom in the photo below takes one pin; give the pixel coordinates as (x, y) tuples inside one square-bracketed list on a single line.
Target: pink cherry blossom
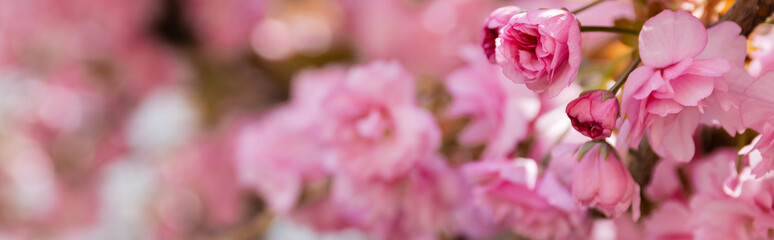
[(501, 110), (601, 181), (594, 113), (541, 49), (496, 20), (665, 95), (375, 132), (510, 192)]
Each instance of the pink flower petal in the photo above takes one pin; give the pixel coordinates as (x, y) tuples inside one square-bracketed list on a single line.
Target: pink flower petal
[(670, 37), (724, 41), (612, 181), (653, 83), (663, 107), (710, 67), (636, 80), (690, 89), (586, 176), (672, 136)]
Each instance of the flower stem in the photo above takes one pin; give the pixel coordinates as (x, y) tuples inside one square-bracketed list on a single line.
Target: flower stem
[(618, 84), (608, 29), (587, 6)]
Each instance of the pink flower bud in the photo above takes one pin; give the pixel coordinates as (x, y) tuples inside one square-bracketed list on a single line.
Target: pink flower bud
[(496, 20), (601, 181), (594, 113)]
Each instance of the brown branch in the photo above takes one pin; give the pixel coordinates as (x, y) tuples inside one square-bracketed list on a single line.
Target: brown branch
[(748, 14)]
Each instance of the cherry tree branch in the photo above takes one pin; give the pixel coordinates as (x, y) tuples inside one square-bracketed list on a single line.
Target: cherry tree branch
[(748, 14)]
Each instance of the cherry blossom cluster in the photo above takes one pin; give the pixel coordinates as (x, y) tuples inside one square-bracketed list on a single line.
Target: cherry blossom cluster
[(532, 177)]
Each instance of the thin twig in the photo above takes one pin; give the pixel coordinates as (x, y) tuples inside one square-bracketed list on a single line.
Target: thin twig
[(622, 79), (608, 29), (587, 6)]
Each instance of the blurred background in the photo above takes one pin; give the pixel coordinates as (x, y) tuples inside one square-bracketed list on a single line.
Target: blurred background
[(118, 117)]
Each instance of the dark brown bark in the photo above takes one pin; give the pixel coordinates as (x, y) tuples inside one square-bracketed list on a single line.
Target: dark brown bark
[(749, 13)]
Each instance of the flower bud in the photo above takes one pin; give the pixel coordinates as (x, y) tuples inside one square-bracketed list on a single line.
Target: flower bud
[(496, 20), (601, 181), (594, 113)]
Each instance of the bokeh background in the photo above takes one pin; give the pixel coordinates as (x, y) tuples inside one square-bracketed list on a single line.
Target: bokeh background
[(118, 117)]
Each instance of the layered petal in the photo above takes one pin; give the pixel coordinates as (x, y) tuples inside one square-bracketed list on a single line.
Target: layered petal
[(672, 136)]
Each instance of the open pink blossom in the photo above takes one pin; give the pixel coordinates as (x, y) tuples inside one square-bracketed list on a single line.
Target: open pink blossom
[(512, 194), (665, 95), (492, 25), (601, 181), (542, 49), (501, 111), (594, 113)]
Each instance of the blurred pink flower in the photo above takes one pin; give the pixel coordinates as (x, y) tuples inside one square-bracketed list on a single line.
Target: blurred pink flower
[(763, 55), (492, 25), (665, 182), (601, 181), (510, 193), (665, 95), (542, 49), (223, 27), (417, 205), (669, 222), (594, 113), (616, 228), (62, 33), (424, 36), (284, 150), (278, 154), (201, 185), (724, 218), (501, 110), (710, 174), (373, 123)]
